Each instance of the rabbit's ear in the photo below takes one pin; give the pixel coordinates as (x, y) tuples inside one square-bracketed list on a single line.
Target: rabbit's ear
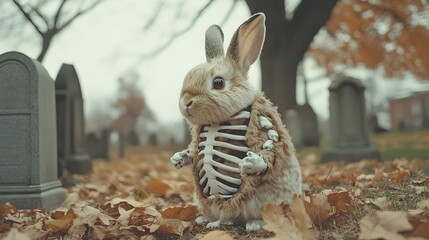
[(214, 42), (247, 42)]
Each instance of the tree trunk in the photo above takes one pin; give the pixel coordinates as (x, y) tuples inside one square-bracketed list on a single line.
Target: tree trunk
[(45, 46), (286, 43)]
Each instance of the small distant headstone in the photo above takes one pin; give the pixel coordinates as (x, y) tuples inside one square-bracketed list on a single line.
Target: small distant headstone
[(153, 139), (98, 146), (133, 138), (122, 144), (188, 136), (309, 125), (293, 124), (349, 140), (70, 122), (28, 149)]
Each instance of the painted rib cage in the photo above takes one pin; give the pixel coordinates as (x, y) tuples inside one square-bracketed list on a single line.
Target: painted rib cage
[(221, 149)]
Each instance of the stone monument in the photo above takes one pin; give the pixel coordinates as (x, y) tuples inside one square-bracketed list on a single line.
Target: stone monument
[(294, 127), (70, 123), (28, 148), (309, 125), (98, 146), (349, 140)]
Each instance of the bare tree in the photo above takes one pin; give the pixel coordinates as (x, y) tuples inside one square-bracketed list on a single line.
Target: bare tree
[(48, 23)]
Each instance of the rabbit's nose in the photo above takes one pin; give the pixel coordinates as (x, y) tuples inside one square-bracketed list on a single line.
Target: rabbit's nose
[(189, 103)]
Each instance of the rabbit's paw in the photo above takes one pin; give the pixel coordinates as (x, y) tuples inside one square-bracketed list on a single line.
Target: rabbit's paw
[(180, 159), (252, 164), (218, 223), (203, 219), (254, 225)]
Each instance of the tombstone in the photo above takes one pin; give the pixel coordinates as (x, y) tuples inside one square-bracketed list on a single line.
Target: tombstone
[(70, 123), (188, 136), (309, 125), (122, 141), (28, 149), (98, 146), (293, 125), (349, 140)]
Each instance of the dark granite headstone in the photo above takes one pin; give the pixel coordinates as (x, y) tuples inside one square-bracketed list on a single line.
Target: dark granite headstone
[(70, 123), (188, 137), (28, 149), (309, 125), (294, 127), (349, 139), (98, 146)]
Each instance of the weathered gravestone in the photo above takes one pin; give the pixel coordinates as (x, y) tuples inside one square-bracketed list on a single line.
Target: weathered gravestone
[(349, 139), (72, 156), (293, 124), (309, 125), (98, 146), (28, 149)]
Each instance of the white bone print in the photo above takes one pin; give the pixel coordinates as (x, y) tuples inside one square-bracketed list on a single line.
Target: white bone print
[(265, 123), (214, 187)]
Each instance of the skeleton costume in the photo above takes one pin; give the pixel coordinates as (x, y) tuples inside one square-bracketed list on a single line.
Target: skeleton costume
[(219, 150)]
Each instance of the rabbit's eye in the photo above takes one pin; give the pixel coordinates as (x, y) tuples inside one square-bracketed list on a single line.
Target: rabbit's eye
[(218, 83)]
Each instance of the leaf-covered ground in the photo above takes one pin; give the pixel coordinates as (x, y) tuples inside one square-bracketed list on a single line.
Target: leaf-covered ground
[(144, 197)]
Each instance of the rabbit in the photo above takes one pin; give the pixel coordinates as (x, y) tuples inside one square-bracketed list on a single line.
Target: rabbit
[(241, 154)]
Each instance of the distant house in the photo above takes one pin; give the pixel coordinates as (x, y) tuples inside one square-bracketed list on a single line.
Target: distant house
[(409, 110)]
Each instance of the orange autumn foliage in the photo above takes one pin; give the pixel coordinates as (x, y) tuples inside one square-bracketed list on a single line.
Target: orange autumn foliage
[(389, 34)]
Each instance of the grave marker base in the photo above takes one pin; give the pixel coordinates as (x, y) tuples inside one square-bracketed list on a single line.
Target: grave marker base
[(46, 196), (350, 154)]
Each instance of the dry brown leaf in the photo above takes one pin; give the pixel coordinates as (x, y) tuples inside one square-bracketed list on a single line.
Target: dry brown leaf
[(61, 221), (341, 201), (318, 208), (384, 225), (159, 188), (217, 235), (421, 230), (6, 209), (173, 227), (14, 234), (293, 224), (186, 213)]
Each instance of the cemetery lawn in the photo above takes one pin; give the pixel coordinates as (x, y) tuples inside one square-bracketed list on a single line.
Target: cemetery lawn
[(144, 197)]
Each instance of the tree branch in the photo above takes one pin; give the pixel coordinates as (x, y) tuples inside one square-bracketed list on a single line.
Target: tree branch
[(81, 12), (27, 16), (155, 15), (43, 17), (228, 14), (57, 15), (176, 34)]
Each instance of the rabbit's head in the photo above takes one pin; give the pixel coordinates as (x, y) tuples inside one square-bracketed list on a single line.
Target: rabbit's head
[(214, 91)]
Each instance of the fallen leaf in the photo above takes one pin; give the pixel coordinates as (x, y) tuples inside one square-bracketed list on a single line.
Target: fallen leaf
[(6, 209), (159, 188), (61, 221), (384, 225), (217, 235), (186, 213), (14, 234), (341, 201), (421, 230), (173, 226), (318, 208), (293, 224)]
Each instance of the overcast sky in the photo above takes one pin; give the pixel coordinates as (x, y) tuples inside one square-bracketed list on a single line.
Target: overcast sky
[(106, 42)]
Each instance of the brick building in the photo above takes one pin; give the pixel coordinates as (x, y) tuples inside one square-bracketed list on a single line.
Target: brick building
[(410, 110)]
